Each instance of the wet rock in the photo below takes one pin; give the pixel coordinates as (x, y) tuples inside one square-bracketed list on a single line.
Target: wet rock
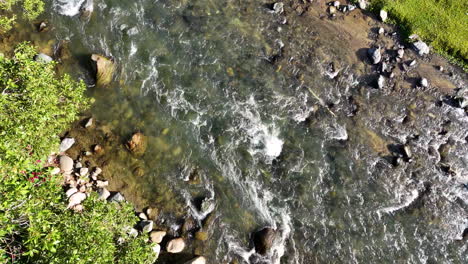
[(176, 245), (362, 4), (207, 206), (137, 143), (264, 239), (66, 144), (383, 15), (201, 235), (41, 57), (375, 55), (118, 197), (381, 82), (104, 69), (197, 260), (87, 9), (66, 164), (421, 47), (424, 83), (147, 226), (76, 199), (103, 194), (278, 8), (157, 236), (190, 224)]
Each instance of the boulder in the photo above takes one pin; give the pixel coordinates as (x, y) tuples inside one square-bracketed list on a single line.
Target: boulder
[(157, 236), (41, 57), (137, 144), (197, 260), (375, 55), (176, 245), (264, 239), (103, 194), (421, 47), (104, 69), (383, 15), (66, 144), (66, 164)]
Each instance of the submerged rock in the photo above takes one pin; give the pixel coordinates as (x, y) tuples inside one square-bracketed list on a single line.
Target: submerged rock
[(375, 55), (421, 47), (104, 69), (137, 144), (176, 245), (66, 144), (264, 239)]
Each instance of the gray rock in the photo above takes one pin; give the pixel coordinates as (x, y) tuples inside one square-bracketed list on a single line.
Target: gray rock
[(41, 57), (147, 226), (66, 144), (278, 8), (197, 260), (375, 55), (362, 4), (176, 245), (383, 15), (117, 198), (351, 7), (381, 82), (103, 194), (421, 47), (66, 164)]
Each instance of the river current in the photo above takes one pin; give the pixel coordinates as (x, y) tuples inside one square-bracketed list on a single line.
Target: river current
[(198, 78)]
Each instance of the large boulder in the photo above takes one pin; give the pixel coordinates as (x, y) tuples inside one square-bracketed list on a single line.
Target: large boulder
[(176, 245), (264, 239), (104, 69), (137, 143)]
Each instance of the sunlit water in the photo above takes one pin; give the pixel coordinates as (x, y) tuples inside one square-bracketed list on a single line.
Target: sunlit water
[(195, 77)]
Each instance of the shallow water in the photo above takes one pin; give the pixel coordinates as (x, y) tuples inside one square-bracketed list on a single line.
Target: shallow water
[(199, 79)]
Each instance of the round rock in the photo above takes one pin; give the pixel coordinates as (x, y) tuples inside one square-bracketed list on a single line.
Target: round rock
[(176, 245), (157, 236), (66, 163)]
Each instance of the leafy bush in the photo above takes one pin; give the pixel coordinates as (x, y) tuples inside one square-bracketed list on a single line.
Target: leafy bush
[(35, 226), (30, 10)]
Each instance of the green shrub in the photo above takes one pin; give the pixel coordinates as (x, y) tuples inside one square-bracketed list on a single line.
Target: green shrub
[(30, 9)]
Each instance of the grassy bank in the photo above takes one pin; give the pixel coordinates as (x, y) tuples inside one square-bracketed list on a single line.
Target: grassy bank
[(442, 23)]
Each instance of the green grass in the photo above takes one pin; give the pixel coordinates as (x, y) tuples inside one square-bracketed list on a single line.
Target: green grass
[(442, 23)]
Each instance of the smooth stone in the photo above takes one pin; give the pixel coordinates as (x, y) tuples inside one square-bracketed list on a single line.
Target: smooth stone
[(336, 3), (66, 144), (375, 55), (41, 57), (424, 82), (176, 245), (157, 236), (76, 199), (55, 171), (118, 197), (383, 15), (132, 232), (142, 216), (362, 4), (84, 171), (197, 260), (71, 191), (147, 226), (66, 163), (421, 47), (103, 194)]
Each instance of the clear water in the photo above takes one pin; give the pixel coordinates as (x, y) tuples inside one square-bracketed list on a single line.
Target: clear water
[(199, 79)]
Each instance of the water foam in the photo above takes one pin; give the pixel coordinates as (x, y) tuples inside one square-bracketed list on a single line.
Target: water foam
[(68, 7)]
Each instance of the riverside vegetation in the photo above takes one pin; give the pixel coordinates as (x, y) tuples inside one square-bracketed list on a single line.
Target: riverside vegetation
[(35, 225)]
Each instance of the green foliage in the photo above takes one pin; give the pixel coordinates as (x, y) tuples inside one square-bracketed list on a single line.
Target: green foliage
[(30, 9), (442, 23), (35, 107), (35, 226)]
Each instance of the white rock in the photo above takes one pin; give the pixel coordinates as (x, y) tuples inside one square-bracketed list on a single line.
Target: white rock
[(97, 171), (421, 47), (147, 226), (383, 15), (132, 232), (78, 165), (424, 82), (332, 10), (66, 144), (76, 199), (103, 194), (197, 260), (381, 82), (157, 236), (78, 208), (55, 171), (375, 55), (118, 197), (89, 123), (142, 216), (102, 184), (278, 7), (381, 31), (41, 57), (176, 245), (336, 3), (71, 191), (84, 171), (351, 7), (66, 164), (362, 4), (401, 52), (412, 63), (156, 249)]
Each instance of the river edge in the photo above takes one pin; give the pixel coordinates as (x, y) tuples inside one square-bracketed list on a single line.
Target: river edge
[(353, 28)]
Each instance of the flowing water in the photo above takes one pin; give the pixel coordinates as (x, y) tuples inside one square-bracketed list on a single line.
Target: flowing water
[(199, 79)]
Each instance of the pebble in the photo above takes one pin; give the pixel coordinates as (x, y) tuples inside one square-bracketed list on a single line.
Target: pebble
[(78, 165), (66, 144), (71, 191), (118, 197), (142, 216), (383, 15), (84, 171)]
